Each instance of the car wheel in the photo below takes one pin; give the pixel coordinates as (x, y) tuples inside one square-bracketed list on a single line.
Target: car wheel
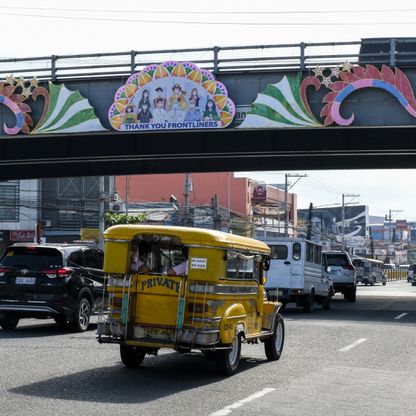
[(308, 302), (82, 315), (9, 322), (273, 346), (351, 296), (227, 361), (326, 304), (131, 356)]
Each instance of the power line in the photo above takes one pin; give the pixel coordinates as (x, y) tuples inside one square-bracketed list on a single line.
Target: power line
[(216, 23), (221, 12)]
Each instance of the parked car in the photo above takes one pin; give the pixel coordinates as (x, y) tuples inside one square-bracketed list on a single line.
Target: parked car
[(60, 281), (340, 268)]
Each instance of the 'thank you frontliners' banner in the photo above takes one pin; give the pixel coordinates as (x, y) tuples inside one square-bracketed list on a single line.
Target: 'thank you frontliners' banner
[(171, 95)]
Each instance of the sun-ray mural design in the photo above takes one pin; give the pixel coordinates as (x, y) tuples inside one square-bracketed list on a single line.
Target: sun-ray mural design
[(64, 111), (285, 104)]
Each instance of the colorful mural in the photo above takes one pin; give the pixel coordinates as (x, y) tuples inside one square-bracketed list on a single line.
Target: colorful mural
[(171, 95), (64, 111), (285, 103)]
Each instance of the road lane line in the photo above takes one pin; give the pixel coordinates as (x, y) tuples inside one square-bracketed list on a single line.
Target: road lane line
[(352, 345), (401, 315), (228, 409)]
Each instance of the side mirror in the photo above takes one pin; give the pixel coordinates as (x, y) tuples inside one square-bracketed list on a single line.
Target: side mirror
[(328, 269), (266, 263), (263, 280)]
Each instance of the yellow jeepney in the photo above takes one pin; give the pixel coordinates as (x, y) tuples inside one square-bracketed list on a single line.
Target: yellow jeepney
[(212, 302)]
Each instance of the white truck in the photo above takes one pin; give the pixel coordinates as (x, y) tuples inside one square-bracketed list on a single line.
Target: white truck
[(296, 273)]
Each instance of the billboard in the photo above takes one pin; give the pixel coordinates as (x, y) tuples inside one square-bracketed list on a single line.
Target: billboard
[(326, 223)]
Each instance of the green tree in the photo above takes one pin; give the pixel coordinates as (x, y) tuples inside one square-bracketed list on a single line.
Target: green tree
[(111, 218)]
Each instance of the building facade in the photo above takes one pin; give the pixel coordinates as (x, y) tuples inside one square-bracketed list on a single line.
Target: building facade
[(256, 212)]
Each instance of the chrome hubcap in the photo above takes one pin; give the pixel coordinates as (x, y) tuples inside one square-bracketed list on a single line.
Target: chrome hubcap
[(234, 351), (84, 314), (279, 337)]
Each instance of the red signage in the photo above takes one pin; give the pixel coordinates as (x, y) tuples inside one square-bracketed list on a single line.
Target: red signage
[(22, 235), (259, 193)]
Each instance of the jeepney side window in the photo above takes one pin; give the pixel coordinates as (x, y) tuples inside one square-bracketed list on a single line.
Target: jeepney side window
[(240, 266), (296, 251), (279, 252)]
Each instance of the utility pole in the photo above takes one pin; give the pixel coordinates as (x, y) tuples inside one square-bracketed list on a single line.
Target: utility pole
[(127, 193), (216, 216), (101, 192), (289, 175), (343, 214), (389, 220), (186, 192), (309, 225)]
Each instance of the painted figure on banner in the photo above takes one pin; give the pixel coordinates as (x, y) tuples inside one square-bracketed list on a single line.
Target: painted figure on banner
[(160, 115), (130, 115), (193, 113), (159, 96), (177, 104), (143, 113), (145, 99), (210, 113)]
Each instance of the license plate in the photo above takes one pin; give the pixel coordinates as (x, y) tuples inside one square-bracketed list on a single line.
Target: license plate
[(25, 280), (158, 333)]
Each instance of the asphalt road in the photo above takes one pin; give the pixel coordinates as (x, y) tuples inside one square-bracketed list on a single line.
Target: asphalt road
[(356, 359)]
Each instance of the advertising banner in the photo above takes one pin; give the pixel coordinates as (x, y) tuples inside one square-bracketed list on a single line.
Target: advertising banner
[(171, 95), (327, 222)]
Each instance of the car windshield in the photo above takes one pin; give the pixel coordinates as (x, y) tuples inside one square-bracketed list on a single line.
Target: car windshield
[(336, 260), (32, 258)]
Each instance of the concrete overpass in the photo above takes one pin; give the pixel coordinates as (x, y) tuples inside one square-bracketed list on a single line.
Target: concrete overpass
[(382, 136)]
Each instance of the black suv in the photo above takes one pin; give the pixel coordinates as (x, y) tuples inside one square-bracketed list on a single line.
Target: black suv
[(60, 281)]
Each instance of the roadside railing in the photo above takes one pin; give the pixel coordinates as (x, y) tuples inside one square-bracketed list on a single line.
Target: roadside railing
[(283, 57), (395, 274)]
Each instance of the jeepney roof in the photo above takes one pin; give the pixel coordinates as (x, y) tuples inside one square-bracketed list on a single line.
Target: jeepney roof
[(188, 236)]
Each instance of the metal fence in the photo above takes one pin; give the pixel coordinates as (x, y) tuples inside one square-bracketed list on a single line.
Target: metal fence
[(284, 57)]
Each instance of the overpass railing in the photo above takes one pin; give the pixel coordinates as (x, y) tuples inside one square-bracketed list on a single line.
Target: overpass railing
[(283, 57)]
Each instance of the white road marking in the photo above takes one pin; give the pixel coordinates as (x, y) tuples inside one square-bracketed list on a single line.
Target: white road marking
[(228, 409), (352, 345), (401, 315)]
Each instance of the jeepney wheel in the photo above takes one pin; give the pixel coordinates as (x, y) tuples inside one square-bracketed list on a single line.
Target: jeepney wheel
[(273, 346), (9, 322), (131, 356), (227, 361)]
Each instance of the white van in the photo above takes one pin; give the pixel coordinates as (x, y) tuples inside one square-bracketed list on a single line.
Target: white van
[(296, 273), (339, 267)]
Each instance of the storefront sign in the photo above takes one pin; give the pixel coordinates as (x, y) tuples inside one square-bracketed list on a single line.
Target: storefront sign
[(259, 193), (22, 235)]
